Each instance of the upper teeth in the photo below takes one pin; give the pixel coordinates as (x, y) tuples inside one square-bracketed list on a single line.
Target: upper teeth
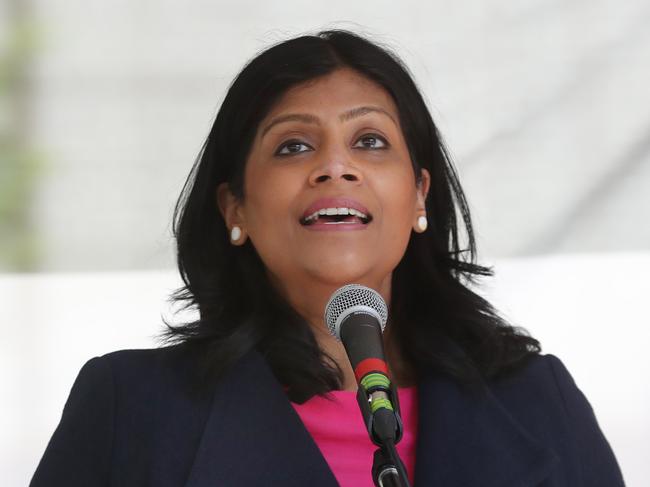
[(336, 211)]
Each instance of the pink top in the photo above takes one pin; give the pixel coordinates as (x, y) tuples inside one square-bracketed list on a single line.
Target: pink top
[(338, 430)]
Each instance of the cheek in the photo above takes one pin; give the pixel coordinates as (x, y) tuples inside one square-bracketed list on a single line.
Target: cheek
[(397, 191), (265, 230), (268, 210), (399, 209)]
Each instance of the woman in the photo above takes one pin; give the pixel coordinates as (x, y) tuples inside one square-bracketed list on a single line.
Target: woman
[(323, 168)]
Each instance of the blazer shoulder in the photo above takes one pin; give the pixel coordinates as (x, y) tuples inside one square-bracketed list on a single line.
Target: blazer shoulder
[(172, 368), (544, 373), (128, 414), (544, 397), (80, 448), (543, 386), (145, 358)]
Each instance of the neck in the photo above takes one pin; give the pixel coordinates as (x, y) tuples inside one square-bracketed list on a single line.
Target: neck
[(310, 301)]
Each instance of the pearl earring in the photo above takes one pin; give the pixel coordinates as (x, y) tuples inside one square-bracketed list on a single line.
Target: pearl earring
[(422, 223), (235, 233)]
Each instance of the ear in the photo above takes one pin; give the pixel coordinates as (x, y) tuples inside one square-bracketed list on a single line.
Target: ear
[(231, 210), (423, 190)]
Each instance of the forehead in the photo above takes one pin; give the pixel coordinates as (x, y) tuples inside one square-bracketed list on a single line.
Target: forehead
[(332, 94)]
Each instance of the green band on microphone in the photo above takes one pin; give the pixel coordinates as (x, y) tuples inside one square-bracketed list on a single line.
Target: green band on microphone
[(374, 381), (379, 403)]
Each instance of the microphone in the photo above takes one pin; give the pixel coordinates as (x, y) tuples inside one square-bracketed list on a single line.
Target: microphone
[(357, 315)]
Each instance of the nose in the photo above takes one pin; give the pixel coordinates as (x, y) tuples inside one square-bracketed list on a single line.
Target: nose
[(334, 168)]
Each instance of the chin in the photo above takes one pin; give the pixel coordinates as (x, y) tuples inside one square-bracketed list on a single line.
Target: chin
[(339, 274)]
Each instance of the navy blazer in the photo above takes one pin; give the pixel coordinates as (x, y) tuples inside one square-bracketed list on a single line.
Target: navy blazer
[(131, 421)]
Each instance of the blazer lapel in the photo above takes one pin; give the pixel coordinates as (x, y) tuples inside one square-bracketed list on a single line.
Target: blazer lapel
[(254, 437), (467, 440)]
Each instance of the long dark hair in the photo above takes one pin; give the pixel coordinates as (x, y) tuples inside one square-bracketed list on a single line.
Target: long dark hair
[(437, 323)]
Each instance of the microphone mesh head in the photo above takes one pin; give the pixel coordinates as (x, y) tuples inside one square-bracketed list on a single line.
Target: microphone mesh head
[(350, 298)]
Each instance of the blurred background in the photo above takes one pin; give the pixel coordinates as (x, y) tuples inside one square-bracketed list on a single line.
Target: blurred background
[(104, 106)]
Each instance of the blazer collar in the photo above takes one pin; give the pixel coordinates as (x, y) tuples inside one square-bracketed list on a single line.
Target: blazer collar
[(254, 437)]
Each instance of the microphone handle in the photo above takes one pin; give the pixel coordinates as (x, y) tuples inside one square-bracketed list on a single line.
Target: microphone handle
[(361, 337)]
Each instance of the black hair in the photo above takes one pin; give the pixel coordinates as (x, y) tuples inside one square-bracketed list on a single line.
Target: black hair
[(437, 322)]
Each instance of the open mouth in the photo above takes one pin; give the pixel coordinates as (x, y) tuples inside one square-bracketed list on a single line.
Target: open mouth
[(336, 216)]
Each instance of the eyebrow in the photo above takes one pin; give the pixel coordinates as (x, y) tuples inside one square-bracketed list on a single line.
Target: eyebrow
[(344, 117)]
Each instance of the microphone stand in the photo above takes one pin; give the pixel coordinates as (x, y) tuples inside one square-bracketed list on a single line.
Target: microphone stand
[(385, 428), (388, 469)]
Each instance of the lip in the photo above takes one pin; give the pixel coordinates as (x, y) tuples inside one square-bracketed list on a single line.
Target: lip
[(334, 203)]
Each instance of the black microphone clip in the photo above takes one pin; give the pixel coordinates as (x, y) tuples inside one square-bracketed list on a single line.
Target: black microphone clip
[(379, 405)]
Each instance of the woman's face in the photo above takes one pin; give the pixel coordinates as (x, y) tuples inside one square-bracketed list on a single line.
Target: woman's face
[(333, 142)]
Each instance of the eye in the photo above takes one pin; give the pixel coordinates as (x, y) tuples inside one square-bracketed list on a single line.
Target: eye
[(291, 147), (372, 141)]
